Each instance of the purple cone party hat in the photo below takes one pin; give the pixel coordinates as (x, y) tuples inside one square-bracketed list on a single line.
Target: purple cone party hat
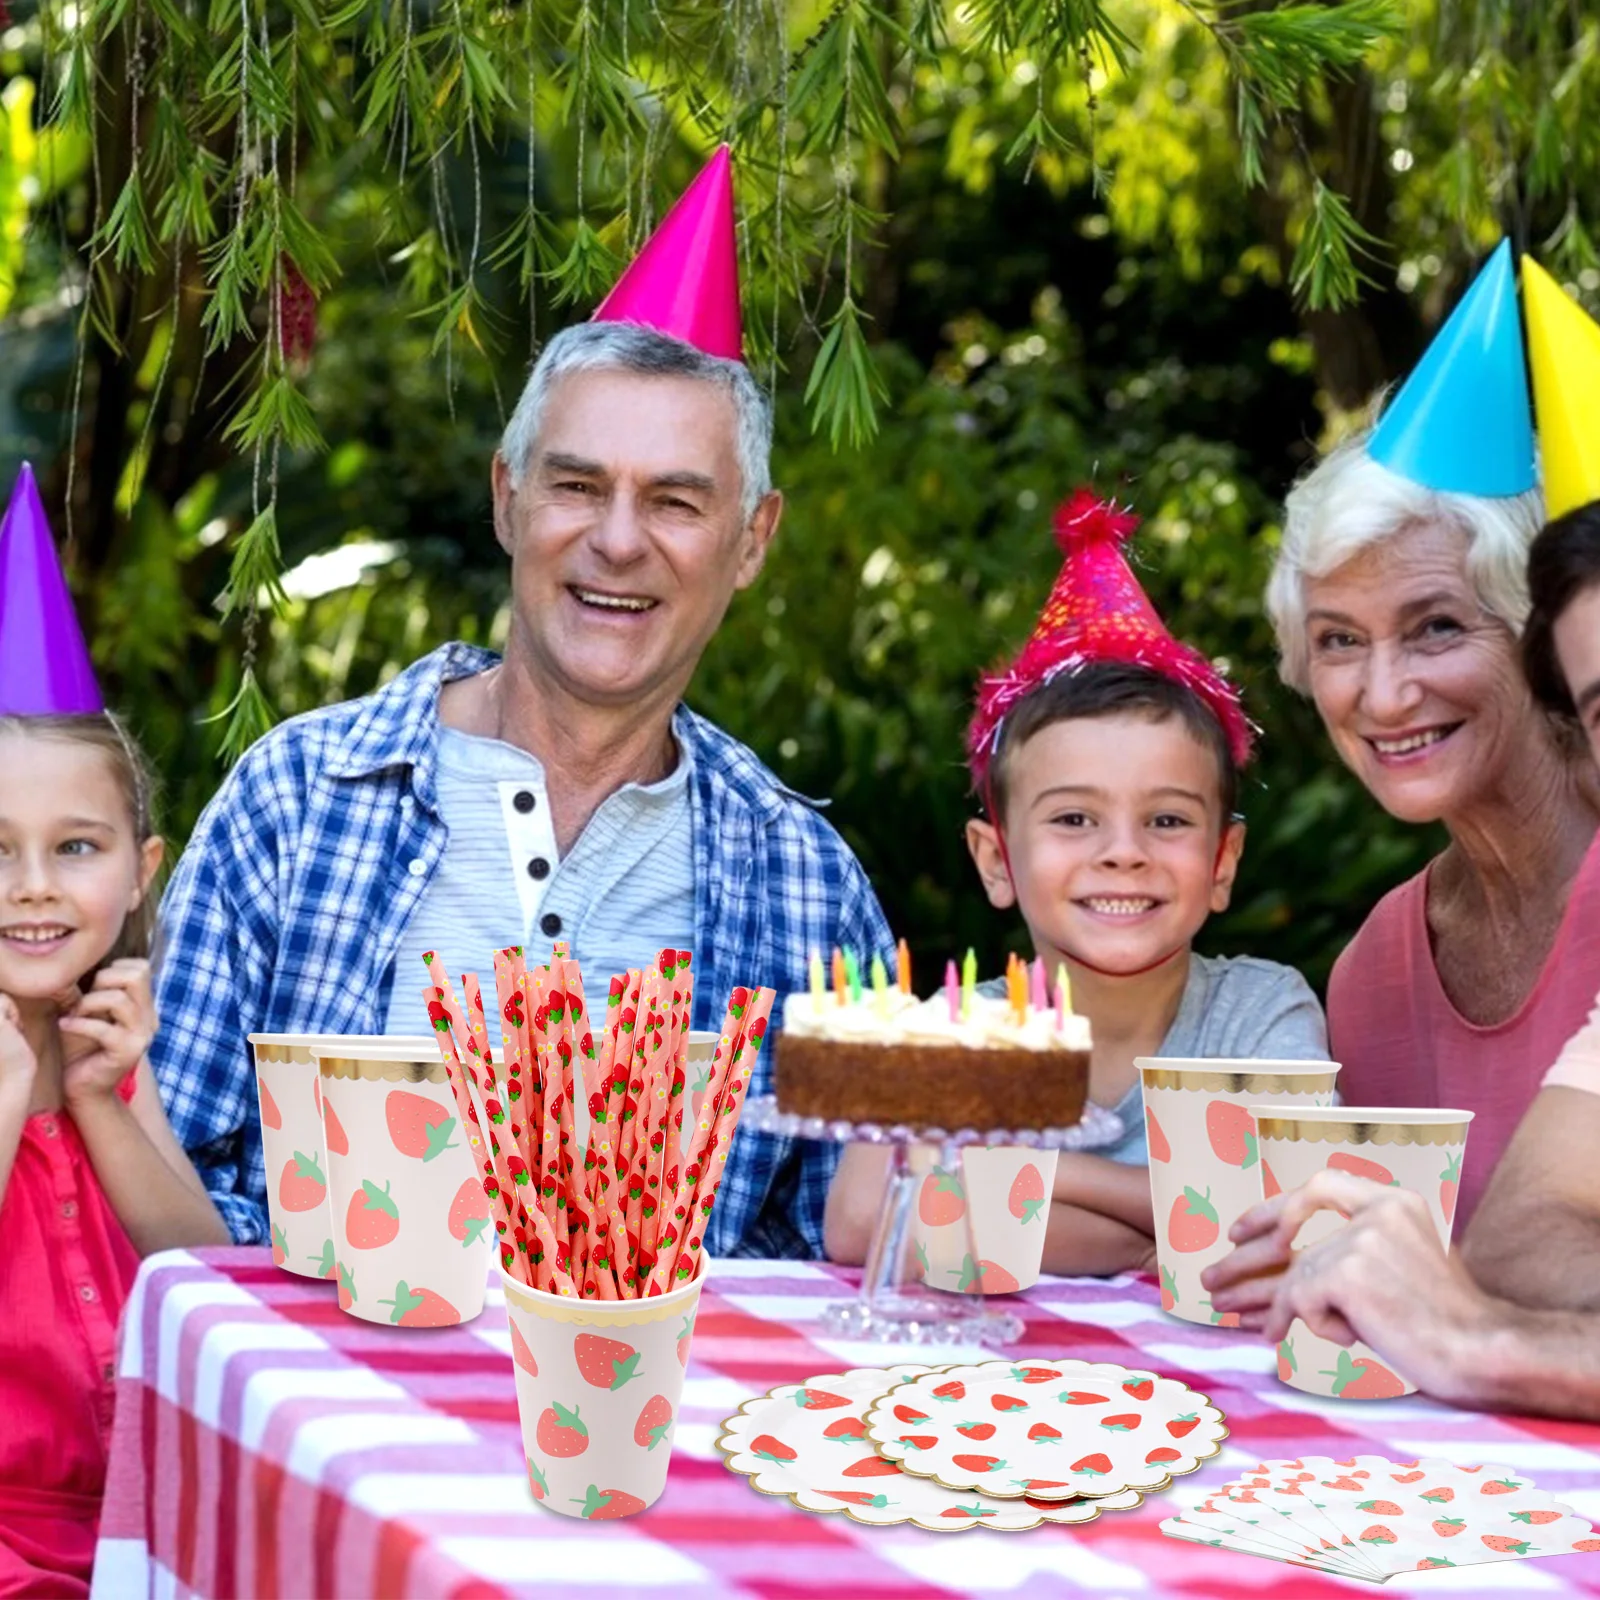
[(1461, 422), (685, 281), (44, 665)]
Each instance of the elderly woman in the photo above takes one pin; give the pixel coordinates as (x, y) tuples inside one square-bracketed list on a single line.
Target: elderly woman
[(1398, 609), (1532, 1341)]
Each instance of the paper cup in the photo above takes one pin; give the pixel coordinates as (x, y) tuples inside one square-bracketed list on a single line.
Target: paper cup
[(598, 1386), (411, 1226), (1203, 1159), (1412, 1149), (289, 1096), (1007, 1190)]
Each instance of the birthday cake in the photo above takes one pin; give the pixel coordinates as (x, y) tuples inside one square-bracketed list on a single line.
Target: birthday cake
[(889, 1058)]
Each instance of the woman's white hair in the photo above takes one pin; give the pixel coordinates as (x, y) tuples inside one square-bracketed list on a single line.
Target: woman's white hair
[(1348, 502), (632, 347)]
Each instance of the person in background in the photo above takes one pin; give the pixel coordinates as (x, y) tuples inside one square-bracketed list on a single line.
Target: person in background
[(1107, 760)]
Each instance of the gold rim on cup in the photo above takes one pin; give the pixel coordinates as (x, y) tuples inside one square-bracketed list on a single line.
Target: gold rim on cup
[(395, 1060), (299, 1046), (1236, 1076), (1396, 1125), (602, 1313)]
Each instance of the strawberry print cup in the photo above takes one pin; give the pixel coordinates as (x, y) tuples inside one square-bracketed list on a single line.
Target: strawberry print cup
[(598, 1385), (412, 1235), (1392, 1145), (1205, 1166), (981, 1231), (289, 1095)]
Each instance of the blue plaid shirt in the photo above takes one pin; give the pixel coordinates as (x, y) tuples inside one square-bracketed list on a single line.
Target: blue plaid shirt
[(287, 908)]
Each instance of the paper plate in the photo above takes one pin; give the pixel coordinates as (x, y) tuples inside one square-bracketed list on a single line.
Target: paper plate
[(1050, 1430), (808, 1442)]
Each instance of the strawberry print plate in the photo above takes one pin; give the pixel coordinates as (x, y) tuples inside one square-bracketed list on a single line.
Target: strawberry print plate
[(808, 1442), (1047, 1430)]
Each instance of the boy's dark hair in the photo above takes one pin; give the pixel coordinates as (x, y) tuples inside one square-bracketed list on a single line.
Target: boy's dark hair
[(1110, 689), (1562, 562)]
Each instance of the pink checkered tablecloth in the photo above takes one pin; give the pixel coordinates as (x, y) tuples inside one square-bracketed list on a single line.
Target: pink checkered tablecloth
[(267, 1444)]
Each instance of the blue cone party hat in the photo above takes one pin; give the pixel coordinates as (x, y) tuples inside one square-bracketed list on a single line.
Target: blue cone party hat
[(1461, 422), (44, 666)]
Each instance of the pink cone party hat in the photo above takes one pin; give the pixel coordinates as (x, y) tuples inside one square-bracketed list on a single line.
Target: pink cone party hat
[(1097, 613), (44, 666), (685, 282)]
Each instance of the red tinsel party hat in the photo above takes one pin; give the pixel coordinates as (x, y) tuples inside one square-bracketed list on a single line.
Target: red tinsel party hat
[(1097, 613)]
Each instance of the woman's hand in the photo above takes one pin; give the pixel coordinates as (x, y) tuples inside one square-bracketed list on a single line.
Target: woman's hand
[(106, 1032), (18, 1065)]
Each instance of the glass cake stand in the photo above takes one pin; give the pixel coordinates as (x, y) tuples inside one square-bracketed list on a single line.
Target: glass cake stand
[(892, 1306)]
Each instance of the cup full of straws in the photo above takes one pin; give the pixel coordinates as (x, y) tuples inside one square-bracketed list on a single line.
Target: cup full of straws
[(601, 1175)]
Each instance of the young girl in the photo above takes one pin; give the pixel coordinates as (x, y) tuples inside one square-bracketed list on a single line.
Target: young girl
[(91, 1177)]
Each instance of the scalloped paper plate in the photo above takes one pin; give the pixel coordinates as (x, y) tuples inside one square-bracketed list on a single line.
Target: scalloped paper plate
[(1050, 1430), (808, 1442)]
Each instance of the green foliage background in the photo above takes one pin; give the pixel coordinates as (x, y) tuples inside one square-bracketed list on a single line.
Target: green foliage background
[(1047, 293)]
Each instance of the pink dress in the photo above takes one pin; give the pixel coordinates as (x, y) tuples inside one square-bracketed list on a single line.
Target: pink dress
[(1402, 1043), (66, 1266)]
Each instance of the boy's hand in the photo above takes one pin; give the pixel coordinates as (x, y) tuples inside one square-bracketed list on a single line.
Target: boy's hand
[(106, 1032), (17, 1063)]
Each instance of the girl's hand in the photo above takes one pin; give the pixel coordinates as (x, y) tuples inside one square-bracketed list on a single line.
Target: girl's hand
[(17, 1062), (106, 1032)]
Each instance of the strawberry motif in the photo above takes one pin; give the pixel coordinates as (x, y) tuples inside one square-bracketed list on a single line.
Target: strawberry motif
[(563, 1433), (469, 1213), (847, 1430), (1351, 1484), (768, 1448), (324, 1260), (859, 1497), (536, 1480), (685, 1334), (1500, 1486), (420, 1308), (1007, 1402), (1378, 1534), (871, 1467), (977, 1463), (1410, 1477), (808, 1399), (1379, 1508), (1081, 1397), (1587, 1544), (521, 1354), (1449, 1181), (1027, 1198), (605, 1505), (271, 1116), (908, 1414), (941, 1199), (1535, 1519), (1269, 1182), (1124, 1422), (1232, 1132), (1443, 1495), (1433, 1563), (606, 1363), (990, 1277), (1448, 1527), (1179, 1427), (917, 1441), (280, 1246), (1169, 1289), (301, 1186), (976, 1512), (1138, 1388), (1160, 1150), (1362, 1378), (1503, 1544), (948, 1392), (347, 1286), (1043, 1433), (976, 1430), (1192, 1224), (1161, 1455), (1093, 1466), (1287, 1365), (338, 1140), (1360, 1167), (1039, 1486), (418, 1126), (372, 1219), (654, 1422), (1034, 1374)]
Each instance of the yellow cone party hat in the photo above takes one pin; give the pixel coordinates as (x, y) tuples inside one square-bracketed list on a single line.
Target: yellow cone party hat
[(1564, 352)]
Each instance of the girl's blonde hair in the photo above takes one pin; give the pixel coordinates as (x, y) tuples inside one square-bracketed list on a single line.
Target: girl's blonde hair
[(104, 732)]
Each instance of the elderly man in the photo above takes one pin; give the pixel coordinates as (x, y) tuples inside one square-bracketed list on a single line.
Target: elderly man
[(560, 792)]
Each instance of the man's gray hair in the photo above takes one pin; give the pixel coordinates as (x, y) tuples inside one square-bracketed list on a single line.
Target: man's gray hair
[(632, 347), (1348, 502)]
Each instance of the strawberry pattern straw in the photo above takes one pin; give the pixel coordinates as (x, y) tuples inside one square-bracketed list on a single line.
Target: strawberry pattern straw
[(625, 1217)]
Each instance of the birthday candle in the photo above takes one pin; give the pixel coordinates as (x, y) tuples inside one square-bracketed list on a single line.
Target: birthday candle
[(902, 967), (880, 985), (838, 975), (969, 979), (1063, 994), (952, 991), (815, 975), (852, 973), (1040, 997)]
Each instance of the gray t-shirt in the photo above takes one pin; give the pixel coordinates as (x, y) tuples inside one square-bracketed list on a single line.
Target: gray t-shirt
[(1237, 1006)]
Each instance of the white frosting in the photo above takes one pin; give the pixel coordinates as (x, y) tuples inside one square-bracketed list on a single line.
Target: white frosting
[(895, 1018)]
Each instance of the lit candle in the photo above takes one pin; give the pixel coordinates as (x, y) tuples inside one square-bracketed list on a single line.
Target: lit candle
[(838, 975), (952, 991), (852, 973), (1063, 993), (880, 985), (818, 989), (969, 980), (902, 967), (1041, 995)]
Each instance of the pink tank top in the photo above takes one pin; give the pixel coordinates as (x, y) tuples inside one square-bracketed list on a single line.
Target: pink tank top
[(1402, 1043)]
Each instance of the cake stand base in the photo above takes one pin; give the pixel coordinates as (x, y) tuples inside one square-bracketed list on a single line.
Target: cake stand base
[(894, 1317)]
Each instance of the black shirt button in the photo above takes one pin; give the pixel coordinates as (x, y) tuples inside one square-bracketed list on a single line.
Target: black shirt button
[(539, 868), (550, 924), (524, 800)]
